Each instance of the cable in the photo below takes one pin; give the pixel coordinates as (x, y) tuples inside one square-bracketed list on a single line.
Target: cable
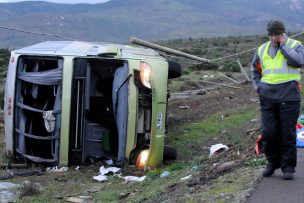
[(300, 33), (67, 38), (249, 50), (236, 54), (37, 33)]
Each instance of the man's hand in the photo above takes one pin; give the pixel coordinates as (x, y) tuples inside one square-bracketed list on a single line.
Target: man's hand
[(282, 38)]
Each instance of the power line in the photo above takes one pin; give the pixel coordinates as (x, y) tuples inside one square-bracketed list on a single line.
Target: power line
[(236, 54), (36, 33), (249, 50), (67, 38)]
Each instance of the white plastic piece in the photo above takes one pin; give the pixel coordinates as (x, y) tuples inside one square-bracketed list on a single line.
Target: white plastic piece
[(100, 178), (186, 178), (134, 178), (104, 171), (57, 169), (217, 148)]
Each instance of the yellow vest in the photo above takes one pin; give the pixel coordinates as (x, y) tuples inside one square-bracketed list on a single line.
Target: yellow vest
[(276, 70)]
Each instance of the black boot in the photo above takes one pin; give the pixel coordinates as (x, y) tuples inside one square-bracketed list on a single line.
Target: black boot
[(288, 176), (268, 171)]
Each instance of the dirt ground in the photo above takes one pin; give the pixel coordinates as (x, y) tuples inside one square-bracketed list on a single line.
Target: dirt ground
[(185, 108), (198, 106)]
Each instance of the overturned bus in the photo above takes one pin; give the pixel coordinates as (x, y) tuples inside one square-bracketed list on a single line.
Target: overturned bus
[(69, 102)]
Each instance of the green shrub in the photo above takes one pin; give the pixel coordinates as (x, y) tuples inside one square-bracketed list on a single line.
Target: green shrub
[(185, 72), (232, 66), (204, 66)]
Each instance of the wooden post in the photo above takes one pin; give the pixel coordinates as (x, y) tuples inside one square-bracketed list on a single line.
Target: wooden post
[(243, 70), (166, 49), (214, 83), (225, 76)]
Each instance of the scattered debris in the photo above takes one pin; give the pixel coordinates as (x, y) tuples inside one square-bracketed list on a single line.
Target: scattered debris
[(300, 136), (123, 195), (109, 162), (259, 148), (228, 165), (229, 78), (57, 196), (194, 168), (103, 171), (201, 92), (206, 76), (100, 178), (254, 100), (225, 85), (80, 199), (184, 107), (217, 148), (228, 98), (133, 178), (186, 178), (164, 174), (57, 169)]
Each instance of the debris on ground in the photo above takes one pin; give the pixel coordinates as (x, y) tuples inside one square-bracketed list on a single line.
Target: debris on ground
[(103, 171), (133, 178), (109, 162), (186, 177), (80, 199), (184, 107), (164, 174), (218, 148), (228, 165), (57, 169)]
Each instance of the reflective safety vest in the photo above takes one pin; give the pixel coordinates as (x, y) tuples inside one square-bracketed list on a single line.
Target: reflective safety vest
[(276, 70)]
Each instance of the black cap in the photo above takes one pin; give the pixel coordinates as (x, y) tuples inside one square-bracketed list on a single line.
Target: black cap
[(275, 27)]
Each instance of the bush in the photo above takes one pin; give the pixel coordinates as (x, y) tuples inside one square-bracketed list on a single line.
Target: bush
[(185, 72), (204, 66), (231, 66)]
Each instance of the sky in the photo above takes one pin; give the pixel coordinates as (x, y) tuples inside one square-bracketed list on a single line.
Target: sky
[(60, 1)]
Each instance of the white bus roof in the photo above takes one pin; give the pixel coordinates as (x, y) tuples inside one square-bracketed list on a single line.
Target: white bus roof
[(77, 48)]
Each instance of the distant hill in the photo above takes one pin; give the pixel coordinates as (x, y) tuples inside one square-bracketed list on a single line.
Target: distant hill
[(117, 20)]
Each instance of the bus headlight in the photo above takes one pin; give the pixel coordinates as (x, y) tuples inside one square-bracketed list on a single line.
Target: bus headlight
[(145, 74)]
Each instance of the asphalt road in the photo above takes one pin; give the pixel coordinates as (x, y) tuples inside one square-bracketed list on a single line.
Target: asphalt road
[(276, 190)]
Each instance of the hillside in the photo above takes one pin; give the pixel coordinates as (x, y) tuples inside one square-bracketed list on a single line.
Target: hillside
[(117, 20)]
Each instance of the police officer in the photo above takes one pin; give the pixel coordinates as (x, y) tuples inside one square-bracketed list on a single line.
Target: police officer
[(276, 76)]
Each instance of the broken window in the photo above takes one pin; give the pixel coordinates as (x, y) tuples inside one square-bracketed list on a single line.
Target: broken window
[(38, 108)]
